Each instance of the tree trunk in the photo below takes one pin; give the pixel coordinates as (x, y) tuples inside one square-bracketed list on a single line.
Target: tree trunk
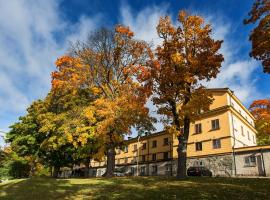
[(86, 169), (110, 161), (182, 151), (56, 170)]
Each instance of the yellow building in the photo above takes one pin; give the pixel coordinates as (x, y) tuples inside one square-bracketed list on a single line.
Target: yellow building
[(213, 138)]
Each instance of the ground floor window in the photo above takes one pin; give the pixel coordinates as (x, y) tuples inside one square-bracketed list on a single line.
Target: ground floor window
[(142, 170), (154, 169), (132, 169), (250, 161)]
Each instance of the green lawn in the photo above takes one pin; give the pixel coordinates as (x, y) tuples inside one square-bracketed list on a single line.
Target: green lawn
[(136, 188)]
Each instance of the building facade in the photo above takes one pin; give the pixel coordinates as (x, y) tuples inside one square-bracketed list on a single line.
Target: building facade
[(222, 139)]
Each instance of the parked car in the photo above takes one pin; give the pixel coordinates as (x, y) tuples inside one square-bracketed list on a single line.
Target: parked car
[(129, 173), (119, 174), (198, 171), (115, 174)]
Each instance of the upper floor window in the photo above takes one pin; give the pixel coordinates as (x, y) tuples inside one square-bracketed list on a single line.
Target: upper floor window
[(215, 124), (166, 141), (198, 146), (242, 131), (144, 146), (126, 149), (250, 161), (198, 128), (126, 160), (135, 147), (143, 158), (216, 143), (248, 135), (154, 144), (154, 157), (254, 139)]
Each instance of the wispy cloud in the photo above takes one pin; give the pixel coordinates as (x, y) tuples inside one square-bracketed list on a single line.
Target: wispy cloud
[(33, 33)]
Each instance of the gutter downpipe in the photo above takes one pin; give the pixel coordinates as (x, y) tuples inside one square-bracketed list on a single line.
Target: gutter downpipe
[(234, 162), (138, 155)]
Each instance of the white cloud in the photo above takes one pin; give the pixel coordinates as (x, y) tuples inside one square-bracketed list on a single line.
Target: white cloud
[(32, 35), (236, 73), (144, 22)]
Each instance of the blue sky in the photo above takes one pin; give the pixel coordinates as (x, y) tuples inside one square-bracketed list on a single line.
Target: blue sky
[(33, 33)]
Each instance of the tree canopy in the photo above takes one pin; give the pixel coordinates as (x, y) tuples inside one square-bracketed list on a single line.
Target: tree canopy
[(260, 35), (261, 111)]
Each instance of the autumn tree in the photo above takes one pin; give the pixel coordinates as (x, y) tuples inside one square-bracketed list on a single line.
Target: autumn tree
[(187, 57), (108, 64), (260, 35), (261, 111)]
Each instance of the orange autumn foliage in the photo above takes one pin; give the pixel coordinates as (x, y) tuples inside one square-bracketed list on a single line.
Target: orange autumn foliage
[(261, 111), (259, 36)]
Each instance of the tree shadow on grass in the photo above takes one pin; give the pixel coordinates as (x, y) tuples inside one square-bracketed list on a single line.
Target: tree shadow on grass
[(191, 188), (130, 188), (38, 189)]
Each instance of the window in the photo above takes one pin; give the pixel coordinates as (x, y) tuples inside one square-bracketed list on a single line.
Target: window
[(254, 139), (242, 131), (142, 170), (198, 128), (154, 169), (198, 146), (143, 158), (126, 160), (126, 149), (166, 155), (132, 170), (168, 167), (118, 161), (232, 104), (248, 135), (135, 147), (201, 163), (216, 144), (154, 157), (215, 124), (250, 161), (135, 159), (154, 144), (144, 146), (166, 141)]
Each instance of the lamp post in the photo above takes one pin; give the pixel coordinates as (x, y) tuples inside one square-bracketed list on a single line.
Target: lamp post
[(138, 155)]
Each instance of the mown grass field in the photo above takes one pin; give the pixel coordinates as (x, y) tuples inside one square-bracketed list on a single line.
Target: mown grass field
[(136, 188)]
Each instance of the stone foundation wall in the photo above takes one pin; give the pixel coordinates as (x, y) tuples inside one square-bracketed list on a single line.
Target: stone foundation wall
[(219, 165)]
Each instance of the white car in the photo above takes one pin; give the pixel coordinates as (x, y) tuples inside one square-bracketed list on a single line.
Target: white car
[(119, 174)]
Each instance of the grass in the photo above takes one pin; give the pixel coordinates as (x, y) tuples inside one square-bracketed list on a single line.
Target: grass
[(136, 188)]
